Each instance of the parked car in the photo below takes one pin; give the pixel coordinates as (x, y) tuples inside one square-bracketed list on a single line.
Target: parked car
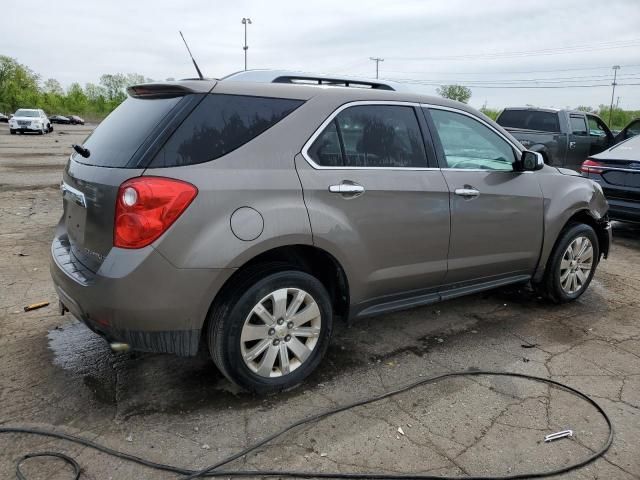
[(60, 119), (29, 120), (76, 120), (565, 138), (4, 118), (251, 215), (617, 170)]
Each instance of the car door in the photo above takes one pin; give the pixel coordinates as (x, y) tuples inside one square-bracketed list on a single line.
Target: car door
[(600, 135), (376, 203), (579, 141), (496, 212)]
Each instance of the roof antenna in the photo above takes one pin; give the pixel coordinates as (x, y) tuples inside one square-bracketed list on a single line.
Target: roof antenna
[(192, 59)]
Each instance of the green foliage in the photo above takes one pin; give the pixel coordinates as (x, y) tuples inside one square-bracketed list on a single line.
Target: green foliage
[(619, 117), (455, 92), (490, 112), (20, 87)]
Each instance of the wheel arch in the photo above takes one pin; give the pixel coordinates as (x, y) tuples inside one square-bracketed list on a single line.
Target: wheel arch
[(585, 216), (308, 258)]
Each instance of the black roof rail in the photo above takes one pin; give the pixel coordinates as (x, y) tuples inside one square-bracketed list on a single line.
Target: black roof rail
[(338, 82)]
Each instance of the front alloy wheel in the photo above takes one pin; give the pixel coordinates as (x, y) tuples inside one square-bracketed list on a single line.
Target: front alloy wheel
[(576, 265), (280, 332)]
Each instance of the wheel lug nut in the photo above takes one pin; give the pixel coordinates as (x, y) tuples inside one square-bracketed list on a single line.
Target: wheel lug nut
[(272, 332), (280, 321), (276, 342), (287, 338), (290, 325)]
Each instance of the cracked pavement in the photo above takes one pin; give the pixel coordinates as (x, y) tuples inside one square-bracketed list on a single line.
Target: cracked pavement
[(55, 373)]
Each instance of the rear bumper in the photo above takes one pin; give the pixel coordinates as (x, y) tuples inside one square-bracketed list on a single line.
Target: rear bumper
[(137, 297)]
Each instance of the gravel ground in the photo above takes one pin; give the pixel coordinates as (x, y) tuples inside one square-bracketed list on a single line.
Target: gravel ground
[(55, 373)]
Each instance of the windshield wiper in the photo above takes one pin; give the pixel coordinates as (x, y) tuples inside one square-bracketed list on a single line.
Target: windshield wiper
[(81, 150)]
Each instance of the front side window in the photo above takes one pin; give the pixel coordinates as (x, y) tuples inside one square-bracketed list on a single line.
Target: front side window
[(578, 125), (220, 124), (469, 144), (372, 136)]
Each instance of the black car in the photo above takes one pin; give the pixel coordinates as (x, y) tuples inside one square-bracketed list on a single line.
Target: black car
[(76, 120), (3, 118), (617, 170), (60, 119)]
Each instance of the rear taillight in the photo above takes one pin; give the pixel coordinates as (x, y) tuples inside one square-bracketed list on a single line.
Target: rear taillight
[(591, 166), (146, 207)]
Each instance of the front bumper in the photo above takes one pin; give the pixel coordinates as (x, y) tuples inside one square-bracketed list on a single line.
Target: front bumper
[(137, 297)]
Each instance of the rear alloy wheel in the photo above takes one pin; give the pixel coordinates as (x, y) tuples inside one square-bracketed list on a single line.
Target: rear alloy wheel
[(571, 265), (274, 332), (280, 332)]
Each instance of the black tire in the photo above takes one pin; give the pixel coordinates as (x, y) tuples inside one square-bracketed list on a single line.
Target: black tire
[(227, 319), (551, 286), (12, 131)]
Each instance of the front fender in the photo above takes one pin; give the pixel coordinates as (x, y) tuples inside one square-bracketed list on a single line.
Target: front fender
[(568, 197)]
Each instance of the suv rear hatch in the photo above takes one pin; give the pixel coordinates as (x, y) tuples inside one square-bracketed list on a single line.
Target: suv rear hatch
[(119, 148)]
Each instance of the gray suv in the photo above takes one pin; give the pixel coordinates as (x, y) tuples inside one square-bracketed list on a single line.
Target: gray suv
[(248, 216)]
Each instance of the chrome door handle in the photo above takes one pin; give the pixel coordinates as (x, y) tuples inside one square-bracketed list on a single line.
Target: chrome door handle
[(467, 192), (348, 188)]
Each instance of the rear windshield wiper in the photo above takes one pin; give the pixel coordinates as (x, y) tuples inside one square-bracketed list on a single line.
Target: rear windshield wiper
[(81, 150)]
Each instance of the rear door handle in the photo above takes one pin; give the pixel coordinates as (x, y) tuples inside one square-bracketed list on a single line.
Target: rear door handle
[(467, 192), (352, 189)]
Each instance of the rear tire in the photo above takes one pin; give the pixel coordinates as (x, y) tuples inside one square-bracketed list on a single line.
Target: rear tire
[(272, 330), (571, 265)]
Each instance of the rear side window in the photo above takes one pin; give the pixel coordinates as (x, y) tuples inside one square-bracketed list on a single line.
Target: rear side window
[(530, 120), (372, 136), (114, 142), (219, 125)]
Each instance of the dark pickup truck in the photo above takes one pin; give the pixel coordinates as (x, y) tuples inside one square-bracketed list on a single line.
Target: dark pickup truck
[(565, 138)]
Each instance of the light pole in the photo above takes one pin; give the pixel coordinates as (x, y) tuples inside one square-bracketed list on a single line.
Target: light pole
[(245, 22), (615, 72), (377, 60)]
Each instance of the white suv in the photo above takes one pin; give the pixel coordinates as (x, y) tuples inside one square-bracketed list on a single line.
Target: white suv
[(29, 120)]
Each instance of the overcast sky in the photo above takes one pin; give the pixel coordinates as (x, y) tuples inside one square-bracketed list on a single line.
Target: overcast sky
[(482, 44)]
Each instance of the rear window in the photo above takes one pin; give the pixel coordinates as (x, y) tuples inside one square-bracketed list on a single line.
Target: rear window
[(530, 120), (114, 142), (220, 124)]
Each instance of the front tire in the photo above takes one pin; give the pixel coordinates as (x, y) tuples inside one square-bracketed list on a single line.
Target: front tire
[(12, 131), (272, 333), (571, 265)]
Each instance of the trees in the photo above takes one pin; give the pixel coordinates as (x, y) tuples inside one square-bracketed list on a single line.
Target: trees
[(20, 87), (455, 92)]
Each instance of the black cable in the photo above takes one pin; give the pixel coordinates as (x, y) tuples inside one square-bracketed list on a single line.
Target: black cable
[(66, 458), (213, 470)]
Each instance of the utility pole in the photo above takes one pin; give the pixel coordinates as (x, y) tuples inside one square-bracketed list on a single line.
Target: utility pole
[(245, 22), (613, 91), (377, 60), (617, 101)]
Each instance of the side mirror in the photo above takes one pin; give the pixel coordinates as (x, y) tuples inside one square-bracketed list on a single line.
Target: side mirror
[(531, 161)]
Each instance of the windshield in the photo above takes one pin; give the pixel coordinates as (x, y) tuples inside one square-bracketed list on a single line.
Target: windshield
[(27, 113)]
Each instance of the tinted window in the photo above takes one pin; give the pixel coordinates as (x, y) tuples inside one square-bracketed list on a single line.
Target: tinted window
[(578, 125), (469, 144), (373, 136), (118, 137), (326, 150), (530, 120), (219, 125), (633, 129)]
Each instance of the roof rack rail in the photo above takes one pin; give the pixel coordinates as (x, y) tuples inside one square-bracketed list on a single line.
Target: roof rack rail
[(338, 82), (307, 78)]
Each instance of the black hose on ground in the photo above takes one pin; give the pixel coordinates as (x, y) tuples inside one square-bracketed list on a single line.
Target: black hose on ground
[(214, 470)]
